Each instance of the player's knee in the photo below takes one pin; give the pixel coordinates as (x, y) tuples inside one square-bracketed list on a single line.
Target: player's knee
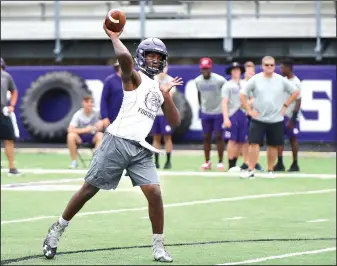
[(88, 190), (167, 138), (218, 136), (152, 192), (99, 136), (208, 137), (71, 137)]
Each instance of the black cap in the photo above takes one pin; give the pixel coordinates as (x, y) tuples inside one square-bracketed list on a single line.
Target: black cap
[(235, 65)]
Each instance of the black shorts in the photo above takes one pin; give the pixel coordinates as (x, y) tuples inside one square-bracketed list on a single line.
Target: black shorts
[(6, 128), (274, 133)]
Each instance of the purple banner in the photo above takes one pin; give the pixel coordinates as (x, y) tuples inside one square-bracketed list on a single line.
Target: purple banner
[(318, 111)]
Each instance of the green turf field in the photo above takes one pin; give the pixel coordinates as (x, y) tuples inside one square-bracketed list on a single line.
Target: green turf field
[(211, 218)]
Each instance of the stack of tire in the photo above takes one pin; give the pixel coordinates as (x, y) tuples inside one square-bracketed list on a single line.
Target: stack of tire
[(41, 130)]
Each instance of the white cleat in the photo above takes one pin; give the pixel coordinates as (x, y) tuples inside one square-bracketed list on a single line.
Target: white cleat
[(271, 174), (206, 166), (235, 169), (220, 167), (159, 253), (250, 174)]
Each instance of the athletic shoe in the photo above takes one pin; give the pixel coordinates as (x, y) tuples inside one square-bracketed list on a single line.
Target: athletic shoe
[(279, 167), (159, 253), (234, 169), (73, 165), (167, 165), (271, 174), (52, 240), (244, 167), (220, 167), (206, 166), (294, 167), (249, 174), (258, 167), (14, 172)]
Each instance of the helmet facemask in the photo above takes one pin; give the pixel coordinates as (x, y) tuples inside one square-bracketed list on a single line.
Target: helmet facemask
[(151, 66)]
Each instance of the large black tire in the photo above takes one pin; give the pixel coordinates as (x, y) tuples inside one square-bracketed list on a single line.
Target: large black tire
[(185, 113), (41, 130)]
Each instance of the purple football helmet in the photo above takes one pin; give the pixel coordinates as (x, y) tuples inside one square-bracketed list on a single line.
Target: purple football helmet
[(151, 45)]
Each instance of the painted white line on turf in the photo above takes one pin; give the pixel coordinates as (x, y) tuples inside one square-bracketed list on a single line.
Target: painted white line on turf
[(318, 221), (182, 173), (191, 203), (61, 188), (281, 256), (234, 218)]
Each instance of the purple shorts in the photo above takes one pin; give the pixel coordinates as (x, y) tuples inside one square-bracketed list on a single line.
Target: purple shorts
[(238, 132), (87, 138), (291, 132), (160, 126), (211, 123)]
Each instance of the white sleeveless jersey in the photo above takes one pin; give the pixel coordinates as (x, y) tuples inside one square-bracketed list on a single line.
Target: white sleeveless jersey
[(138, 111)]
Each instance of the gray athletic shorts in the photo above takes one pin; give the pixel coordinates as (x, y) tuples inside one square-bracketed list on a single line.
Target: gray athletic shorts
[(116, 154)]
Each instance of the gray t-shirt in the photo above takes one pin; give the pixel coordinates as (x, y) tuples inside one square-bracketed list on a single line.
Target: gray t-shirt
[(81, 120), (210, 93), (297, 83), (7, 84), (268, 96), (231, 92)]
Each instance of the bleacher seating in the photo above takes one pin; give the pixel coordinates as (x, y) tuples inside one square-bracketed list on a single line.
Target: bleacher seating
[(168, 19)]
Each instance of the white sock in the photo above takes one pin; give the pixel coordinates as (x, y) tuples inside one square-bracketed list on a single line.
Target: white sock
[(158, 237), (63, 222)]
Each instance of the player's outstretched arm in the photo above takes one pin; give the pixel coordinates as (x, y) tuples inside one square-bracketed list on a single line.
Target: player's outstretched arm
[(123, 55)]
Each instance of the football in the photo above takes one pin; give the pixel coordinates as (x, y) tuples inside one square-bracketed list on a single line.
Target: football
[(115, 20)]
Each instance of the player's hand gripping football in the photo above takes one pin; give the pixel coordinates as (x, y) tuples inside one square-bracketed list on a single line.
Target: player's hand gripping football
[(174, 82), (110, 33)]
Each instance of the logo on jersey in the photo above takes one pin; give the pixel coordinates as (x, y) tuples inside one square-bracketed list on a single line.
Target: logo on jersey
[(152, 101)]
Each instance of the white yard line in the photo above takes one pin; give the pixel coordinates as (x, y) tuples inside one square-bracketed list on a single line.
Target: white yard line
[(317, 251), (177, 152), (234, 218), (188, 203), (179, 173), (318, 221), (62, 188)]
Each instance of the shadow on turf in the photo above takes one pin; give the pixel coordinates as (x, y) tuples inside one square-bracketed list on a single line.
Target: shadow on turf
[(3, 262)]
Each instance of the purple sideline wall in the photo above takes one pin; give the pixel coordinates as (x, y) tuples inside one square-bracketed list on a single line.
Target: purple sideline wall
[(318, 112)]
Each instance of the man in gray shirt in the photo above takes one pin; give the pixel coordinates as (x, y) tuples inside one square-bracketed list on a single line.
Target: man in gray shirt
[(209, 94), (84, 127), (235, 119), (269, 108), (291, 125), (6, 126)]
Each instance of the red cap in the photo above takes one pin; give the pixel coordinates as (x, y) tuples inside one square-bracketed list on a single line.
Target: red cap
[(206, 62)]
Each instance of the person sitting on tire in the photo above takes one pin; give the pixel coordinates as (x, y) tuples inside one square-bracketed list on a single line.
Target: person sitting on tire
[(85, 127)]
